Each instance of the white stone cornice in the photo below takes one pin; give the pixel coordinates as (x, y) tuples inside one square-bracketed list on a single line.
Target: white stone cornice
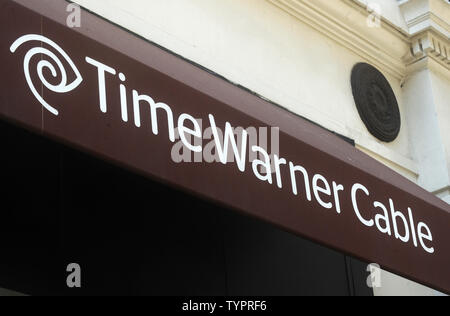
[(423, 15), (428, 21), (387, 46), (346, 22), (433, 45), (429, 46)]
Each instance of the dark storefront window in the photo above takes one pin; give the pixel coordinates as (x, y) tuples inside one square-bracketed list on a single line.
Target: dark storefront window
[(134, 236)]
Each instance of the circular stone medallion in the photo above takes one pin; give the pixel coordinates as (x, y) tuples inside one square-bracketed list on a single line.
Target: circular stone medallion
[(376, 102)]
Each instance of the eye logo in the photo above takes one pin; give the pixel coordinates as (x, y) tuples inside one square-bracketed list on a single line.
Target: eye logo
[(62, 87)]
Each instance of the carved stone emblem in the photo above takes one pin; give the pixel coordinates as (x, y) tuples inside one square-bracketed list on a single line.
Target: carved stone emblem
[(376, 102)]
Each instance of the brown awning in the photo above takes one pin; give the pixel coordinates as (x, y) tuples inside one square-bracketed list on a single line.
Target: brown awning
[(71, 85)]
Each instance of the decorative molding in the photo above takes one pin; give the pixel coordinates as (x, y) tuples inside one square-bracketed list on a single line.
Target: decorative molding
[(423, 15), (388, 47), (346, 23), (429, 45), (428, 21)]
